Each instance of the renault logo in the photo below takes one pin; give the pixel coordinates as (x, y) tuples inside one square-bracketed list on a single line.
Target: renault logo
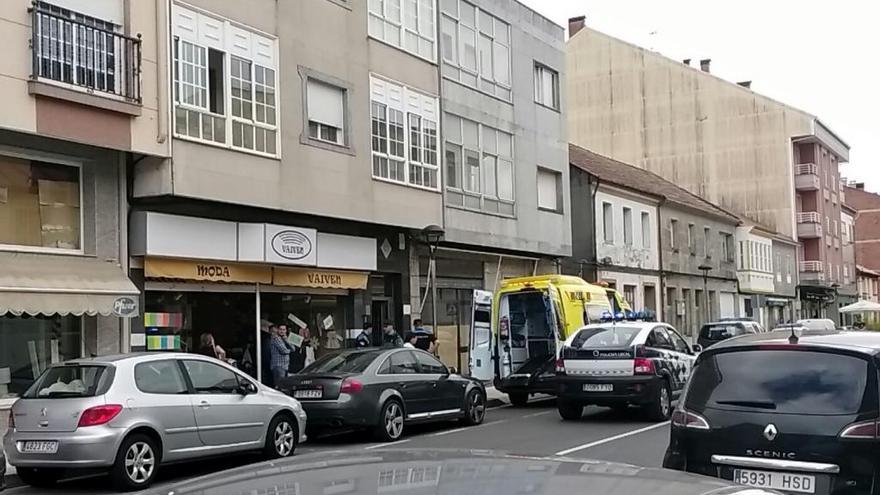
[(770, 432)]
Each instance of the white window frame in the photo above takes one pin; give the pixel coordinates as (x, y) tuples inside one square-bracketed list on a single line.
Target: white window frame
[(646, 229), (476, 73), (557, 182), (54, 159), (426, 10), (607, 227), (540, 90), (627, 226), (411, 103), (482, 152), (228, 41)]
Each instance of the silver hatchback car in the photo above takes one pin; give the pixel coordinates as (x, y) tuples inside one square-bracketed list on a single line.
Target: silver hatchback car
[(130, 413)]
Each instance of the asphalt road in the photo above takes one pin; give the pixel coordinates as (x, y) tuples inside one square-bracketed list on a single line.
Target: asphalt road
[(534, 430)]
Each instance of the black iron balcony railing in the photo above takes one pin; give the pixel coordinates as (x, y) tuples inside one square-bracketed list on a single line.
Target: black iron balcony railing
[(84, 52)]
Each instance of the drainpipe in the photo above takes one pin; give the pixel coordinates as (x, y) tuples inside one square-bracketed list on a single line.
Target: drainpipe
[(595, 253), (662, 309), (163, 62)]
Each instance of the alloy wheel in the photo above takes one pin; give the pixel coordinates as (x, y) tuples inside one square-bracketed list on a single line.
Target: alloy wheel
[(664, 401), (477, 408), (140, 461), (394, 420), (284, 439)]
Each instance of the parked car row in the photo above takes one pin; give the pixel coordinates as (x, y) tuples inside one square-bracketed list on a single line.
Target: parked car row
[(130, 414)]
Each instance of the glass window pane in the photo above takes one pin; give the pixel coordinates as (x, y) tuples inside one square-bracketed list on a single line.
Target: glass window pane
[(449, 39), (470, 129), (485, 54), (159, 377), (490, 140), (502, 64), (505, 144), (489, 182), (271, 142), (210, 378), (505, 180), (453, 165), (453, 128), (472, 171), (450, 7), (468, 48), (502, 34), (468, 14), (486, 23), (237, 134)]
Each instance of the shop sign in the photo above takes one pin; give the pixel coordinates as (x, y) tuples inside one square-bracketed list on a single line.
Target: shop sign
[(321, 279), (125, 306), (290, 245), (206, 270)]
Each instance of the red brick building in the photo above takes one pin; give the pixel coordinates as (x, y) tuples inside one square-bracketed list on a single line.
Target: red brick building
[(867, 230)]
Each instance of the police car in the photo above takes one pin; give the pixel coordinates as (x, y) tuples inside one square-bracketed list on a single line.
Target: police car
[(621, 363)]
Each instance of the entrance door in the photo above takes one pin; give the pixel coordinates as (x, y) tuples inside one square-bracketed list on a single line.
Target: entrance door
[(480, 358), (381, 315)]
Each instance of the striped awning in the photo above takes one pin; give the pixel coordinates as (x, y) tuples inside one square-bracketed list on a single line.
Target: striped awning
[(49, 284)]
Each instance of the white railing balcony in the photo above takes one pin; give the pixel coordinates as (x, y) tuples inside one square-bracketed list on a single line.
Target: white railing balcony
[(811, 267), (809, 217), (809, 225), (806, 169)]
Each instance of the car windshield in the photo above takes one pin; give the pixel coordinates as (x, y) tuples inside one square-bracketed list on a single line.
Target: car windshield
[(67, 381), (785, 381), (605, 336), (345, 362), (721, 332)]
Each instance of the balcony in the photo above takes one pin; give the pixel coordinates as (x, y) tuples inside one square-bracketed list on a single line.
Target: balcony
[(809, 225), (77, 57), (806, 177), (812, 271)]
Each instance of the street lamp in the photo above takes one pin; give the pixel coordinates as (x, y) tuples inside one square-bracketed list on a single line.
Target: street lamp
[(705, 269), (432, 235), (835, 304)]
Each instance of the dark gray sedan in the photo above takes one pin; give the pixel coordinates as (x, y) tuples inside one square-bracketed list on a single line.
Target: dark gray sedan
[(451, 473), (384, 390)]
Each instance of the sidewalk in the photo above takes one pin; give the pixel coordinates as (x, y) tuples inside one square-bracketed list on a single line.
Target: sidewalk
[(495, 398)]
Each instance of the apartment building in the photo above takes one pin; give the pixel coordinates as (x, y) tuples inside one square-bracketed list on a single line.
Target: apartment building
[(766, 270), (676, 250), (771, 163), (865, 234), (505, 166), (79, 82)]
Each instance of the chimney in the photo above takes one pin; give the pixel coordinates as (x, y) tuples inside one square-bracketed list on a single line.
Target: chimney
[(687, 62), (704, 64), (575, 24), (745, 84)]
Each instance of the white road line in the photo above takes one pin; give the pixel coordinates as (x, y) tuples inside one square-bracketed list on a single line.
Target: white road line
[(611, 439), (449, 432), (537, 414), (389, 444), (468, 428)]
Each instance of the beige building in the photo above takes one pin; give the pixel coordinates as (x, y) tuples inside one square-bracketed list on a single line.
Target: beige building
[(767, 161), (81, 102)]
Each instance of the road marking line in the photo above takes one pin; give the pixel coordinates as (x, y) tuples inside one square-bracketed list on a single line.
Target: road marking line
[(537, 414), (456, 430), (448, 432), (611, 439), (379, 446)]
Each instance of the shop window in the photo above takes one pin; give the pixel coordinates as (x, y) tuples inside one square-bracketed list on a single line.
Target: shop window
[(39, 204), (29, 344)]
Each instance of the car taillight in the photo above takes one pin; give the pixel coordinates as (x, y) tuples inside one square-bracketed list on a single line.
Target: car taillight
[(643, 366), (99, 415), (350, 386), (11, 421), (687, 419), (865, 430), (560, 365)]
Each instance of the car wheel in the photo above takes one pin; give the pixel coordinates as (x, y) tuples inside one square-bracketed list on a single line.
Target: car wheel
[(136, 463), (660, 409), (390, 427), (568, 410), (39, 477), (518, 399), (475, 408), (280, 437)]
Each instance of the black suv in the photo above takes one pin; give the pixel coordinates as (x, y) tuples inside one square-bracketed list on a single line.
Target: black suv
[(712, 333), (796, 414)]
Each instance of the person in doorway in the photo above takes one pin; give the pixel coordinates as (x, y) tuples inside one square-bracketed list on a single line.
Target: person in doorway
[(390, 337), (411, 340), (280, 351), (426, 340)]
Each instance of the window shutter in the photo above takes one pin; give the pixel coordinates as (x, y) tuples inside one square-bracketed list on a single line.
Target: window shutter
[(325, 104)]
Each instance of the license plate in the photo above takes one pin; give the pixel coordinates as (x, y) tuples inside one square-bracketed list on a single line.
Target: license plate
[(39, 447), (308, 394), (598, 387), (787, 482)]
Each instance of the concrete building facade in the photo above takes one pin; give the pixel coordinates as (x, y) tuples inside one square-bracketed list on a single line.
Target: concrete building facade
[(74, 122), (766, 161)]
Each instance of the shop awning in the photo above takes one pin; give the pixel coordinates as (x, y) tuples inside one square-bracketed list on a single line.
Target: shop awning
[(46, 284)]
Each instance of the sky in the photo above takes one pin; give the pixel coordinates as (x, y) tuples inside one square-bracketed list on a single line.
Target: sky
[(819, 56)]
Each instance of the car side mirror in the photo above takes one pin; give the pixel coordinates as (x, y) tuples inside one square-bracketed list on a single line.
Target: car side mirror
[(247, 388), (452, 370), (697, 348)]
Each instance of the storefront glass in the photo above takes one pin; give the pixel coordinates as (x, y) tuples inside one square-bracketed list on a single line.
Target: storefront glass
[(327, 319), (29, 344)]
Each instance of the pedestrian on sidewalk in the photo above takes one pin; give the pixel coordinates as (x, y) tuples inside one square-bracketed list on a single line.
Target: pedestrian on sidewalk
[(411, 339), (390, 337), (208, 347), (426, 340), (280, 351)]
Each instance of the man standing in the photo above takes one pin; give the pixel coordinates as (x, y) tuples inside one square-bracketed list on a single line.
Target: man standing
[(390, 337), (280, 355), (426, 340)]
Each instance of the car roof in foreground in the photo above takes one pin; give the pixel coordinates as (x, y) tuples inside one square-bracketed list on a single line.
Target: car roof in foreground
[(864, 342), (454, 471)]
